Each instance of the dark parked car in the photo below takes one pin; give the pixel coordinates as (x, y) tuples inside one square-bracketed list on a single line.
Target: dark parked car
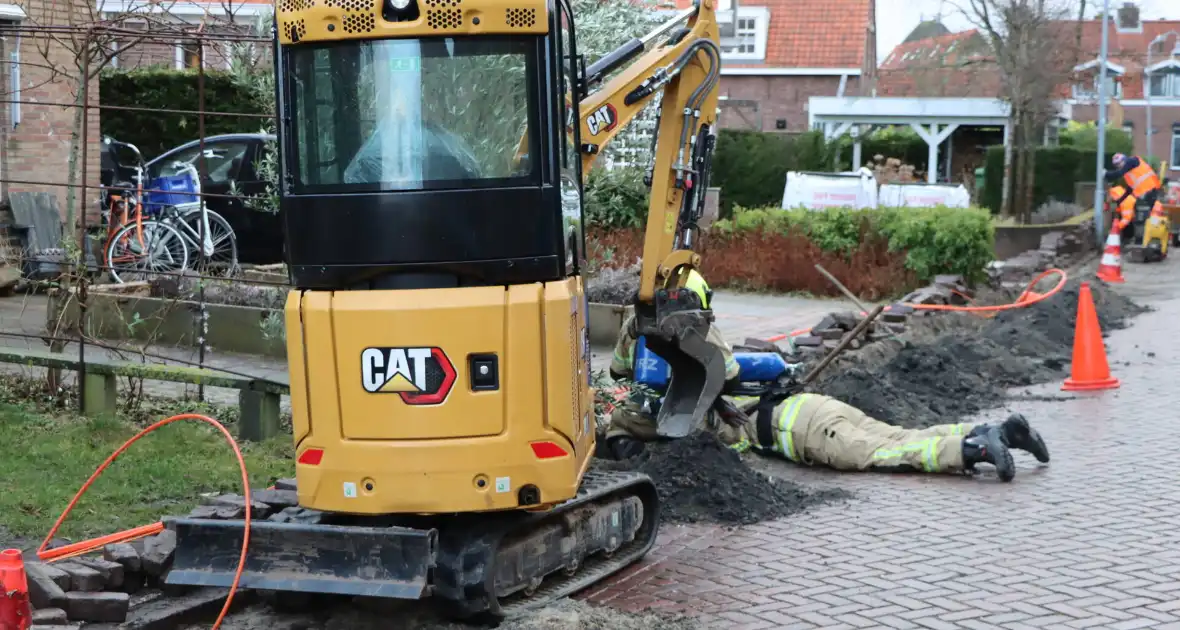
[(230, 162)]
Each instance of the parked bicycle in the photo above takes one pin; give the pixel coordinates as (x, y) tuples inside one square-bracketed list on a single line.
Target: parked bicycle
[(160, 229)]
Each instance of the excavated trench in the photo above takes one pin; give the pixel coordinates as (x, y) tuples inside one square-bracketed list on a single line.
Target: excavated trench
[(960, 364)]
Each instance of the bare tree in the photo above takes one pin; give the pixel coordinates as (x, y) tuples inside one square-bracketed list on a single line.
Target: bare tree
[(1036, 45)]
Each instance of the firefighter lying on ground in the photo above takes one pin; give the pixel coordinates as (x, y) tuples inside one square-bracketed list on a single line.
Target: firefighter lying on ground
[(1140, 180), (811, 429)]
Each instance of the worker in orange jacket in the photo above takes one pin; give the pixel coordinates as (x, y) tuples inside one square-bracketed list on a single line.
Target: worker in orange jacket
[(1123, 208), (1141, 181)]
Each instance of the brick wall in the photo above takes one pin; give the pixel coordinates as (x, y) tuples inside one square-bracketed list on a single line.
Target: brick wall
[(34, 152), (777, 98)]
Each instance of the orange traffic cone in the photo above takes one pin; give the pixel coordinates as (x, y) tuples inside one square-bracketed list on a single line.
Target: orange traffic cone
[(15, 613), (1089, 370), (1111, 267)]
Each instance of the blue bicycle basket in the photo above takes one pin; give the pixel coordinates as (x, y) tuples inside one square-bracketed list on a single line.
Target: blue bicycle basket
[(177, 189)]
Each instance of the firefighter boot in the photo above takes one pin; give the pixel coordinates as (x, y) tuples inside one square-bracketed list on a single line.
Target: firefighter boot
[(1019, 435), (988, 447)]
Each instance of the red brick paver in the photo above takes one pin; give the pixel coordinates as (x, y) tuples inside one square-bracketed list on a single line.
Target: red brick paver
[(1090, 541)]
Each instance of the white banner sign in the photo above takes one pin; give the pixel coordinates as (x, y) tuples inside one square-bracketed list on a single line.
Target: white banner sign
[(815, 192), (924, 196)]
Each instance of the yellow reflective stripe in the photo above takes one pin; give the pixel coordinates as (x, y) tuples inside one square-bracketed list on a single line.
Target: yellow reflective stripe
[(786, 422), (930, 450), (913, 447), (741, 446)]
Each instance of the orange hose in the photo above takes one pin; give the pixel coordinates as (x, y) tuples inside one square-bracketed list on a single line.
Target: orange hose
[(1027, 298), (98, 542)]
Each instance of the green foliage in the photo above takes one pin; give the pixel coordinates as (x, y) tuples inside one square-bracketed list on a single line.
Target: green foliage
[(1085, 136), (937, 240), (1058, 169), (157, 88), (45, 458), (616, 198), (751, 167)]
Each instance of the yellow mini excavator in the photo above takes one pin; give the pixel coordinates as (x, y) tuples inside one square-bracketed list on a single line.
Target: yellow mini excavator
[(432, 159)]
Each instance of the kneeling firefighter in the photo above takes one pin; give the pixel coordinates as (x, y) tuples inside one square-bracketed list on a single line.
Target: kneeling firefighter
[(641, 410), (812, 429)]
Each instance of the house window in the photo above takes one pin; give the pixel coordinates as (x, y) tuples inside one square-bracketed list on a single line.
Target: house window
[(1088, 91), (748, 42), (187, 55), (1174, 164), (1165, 84)]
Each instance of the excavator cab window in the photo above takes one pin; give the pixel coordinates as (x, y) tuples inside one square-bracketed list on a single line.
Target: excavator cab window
[(412, 114)]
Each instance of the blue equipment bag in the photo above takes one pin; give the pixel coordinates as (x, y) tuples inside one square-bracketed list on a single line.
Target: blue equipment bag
[(176, 187)]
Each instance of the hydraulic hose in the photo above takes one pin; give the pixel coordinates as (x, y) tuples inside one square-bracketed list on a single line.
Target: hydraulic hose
[(97, 543), (1027, 298)]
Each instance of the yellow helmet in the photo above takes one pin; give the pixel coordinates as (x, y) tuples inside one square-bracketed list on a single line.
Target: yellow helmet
[(696, 283)]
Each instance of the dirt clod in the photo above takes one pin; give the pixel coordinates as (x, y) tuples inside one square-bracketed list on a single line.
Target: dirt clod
[(968, 365), (700, 479)]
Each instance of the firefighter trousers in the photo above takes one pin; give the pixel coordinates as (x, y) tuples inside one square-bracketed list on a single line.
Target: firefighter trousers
[(817, 430)]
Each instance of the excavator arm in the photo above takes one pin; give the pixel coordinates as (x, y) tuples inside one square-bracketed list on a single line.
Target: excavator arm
[(680, 62)]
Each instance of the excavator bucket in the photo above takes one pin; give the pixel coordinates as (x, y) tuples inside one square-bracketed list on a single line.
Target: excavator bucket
[(389, 562), (677, 330)]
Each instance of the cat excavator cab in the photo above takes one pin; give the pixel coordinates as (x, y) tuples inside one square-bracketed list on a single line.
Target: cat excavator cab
[(432, 161)]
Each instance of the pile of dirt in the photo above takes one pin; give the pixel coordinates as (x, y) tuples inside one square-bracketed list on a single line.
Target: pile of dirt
[(956, 373), (699, 479)]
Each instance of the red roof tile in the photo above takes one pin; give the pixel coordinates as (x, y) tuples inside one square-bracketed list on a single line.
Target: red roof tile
[(813, 33), (935, 66)]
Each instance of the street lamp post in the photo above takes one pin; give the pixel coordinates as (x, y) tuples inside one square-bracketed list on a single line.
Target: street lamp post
[(1100, 170), (1147, 80)]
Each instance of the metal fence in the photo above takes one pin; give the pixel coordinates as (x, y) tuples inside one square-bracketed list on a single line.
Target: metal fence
[(66, 218)]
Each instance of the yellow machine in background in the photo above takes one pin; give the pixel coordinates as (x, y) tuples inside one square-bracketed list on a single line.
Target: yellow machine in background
[(1146, 228), (433, 154)]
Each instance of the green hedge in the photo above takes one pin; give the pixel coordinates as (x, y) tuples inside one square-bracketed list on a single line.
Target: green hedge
[(751, 167), (1057, 170), (156, 132), (936, 240)]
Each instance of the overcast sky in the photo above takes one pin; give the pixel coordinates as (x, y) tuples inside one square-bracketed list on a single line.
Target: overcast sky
[(896, 18)]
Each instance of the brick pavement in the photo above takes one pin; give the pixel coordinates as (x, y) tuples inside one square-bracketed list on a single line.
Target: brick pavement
[(1088, 541)]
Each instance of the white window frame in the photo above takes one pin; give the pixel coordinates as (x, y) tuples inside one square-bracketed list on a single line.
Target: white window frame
[(1171, 79), (16, 15), (761, 18), (1175, 163), (178, 53), (1082, 93)]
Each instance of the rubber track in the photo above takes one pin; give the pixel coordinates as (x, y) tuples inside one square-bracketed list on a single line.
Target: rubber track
[(464, 561)]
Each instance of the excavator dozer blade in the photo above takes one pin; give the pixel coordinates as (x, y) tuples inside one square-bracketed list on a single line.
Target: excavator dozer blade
[(389, 562), (698, 376)]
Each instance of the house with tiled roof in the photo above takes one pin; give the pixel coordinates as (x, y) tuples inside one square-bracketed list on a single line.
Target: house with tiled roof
[(961, 65), (776, 54)]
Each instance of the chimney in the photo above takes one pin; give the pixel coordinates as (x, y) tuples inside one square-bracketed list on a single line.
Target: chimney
[(1128, 17)]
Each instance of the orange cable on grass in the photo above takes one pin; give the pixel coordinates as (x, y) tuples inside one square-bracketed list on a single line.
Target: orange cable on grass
[(91, 545)]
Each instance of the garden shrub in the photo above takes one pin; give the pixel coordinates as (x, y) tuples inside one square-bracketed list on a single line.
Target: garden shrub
[(876, 253), (616, 198)]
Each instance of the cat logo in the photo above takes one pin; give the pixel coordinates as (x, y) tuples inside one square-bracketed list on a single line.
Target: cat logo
[(603, 119), (421, 376)]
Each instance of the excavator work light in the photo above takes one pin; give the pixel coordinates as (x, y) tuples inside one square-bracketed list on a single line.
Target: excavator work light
[(400, 5)]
